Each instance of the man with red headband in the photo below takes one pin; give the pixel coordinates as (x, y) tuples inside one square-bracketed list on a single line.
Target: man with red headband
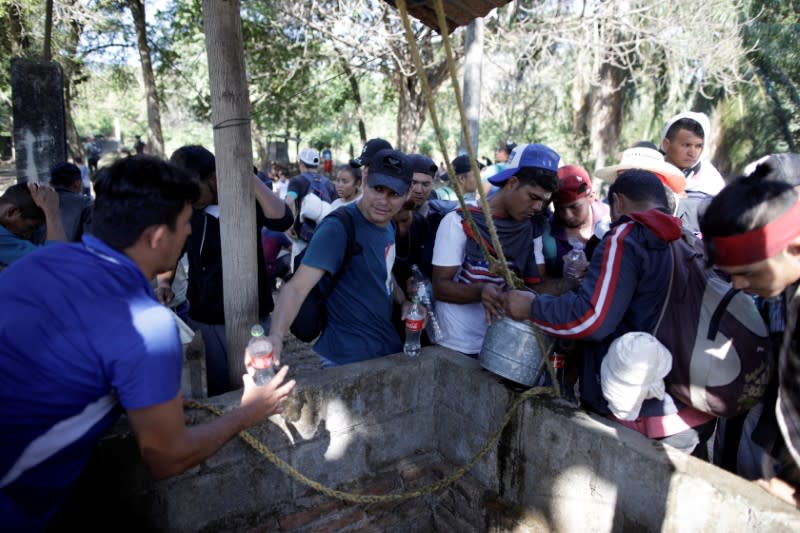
[(751, 230), (576, 218)]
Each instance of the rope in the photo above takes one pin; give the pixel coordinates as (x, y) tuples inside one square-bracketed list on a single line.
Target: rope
[(511, 279), (499, 264), (494, 264), (373, 498)]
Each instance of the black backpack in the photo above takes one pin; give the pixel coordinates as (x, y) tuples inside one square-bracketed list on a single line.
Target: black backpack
[(437, 209), (312, 316)]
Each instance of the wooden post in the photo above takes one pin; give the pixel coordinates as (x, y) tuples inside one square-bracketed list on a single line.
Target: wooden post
[(233, 146)]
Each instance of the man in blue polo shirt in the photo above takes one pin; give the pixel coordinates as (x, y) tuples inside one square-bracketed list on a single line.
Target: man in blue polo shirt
[(82, 338)]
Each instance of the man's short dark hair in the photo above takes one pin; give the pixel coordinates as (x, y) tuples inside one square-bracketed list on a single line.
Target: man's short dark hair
[(745, 204), (64, 175), (639, 186), (195, 160), (20, 197), (138, 192), (545, 179), (685, 124)]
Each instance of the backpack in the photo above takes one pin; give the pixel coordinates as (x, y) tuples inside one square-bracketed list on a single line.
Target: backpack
[(320, 186), (437, 209), (720, 345), (312, 316)]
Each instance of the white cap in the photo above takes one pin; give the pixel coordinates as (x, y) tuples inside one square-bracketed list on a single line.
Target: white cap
[(632, 371), (309, 156)]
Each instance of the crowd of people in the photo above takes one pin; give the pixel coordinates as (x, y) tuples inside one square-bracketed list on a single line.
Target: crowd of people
[(88, 329)]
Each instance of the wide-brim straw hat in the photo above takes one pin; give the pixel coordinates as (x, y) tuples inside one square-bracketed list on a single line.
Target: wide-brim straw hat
[(646, 159)]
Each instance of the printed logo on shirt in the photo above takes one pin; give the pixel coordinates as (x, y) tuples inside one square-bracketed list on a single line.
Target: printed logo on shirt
[(389, 253)]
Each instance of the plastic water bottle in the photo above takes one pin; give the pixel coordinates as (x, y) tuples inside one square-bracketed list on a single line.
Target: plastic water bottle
[(259, 351), (414, 321), (425, 294), (575, 261)]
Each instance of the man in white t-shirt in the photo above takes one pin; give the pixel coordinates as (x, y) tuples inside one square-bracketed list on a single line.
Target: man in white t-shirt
[(467, 294)]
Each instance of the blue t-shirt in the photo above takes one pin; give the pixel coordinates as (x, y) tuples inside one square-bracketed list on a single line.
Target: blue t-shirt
[(359, 321), (13, 247), (81, 338)]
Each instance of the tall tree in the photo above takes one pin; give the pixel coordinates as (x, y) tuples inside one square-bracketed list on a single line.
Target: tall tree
[(155, 138), (611, 53)]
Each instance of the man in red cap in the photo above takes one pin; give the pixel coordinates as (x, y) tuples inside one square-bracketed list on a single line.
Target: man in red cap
[(577, 217)]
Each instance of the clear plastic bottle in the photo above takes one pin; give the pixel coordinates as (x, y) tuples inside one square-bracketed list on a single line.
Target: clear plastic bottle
[(575, 261), (424, 292), (259, 350), (414, 320)]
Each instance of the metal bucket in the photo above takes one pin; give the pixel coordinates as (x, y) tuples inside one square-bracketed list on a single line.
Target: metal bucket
[(510, 350)]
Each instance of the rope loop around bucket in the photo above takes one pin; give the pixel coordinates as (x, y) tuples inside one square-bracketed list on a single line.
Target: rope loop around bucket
[(292, 472)]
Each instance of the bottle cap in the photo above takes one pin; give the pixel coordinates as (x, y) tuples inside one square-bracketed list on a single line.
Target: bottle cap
[(257, 331)]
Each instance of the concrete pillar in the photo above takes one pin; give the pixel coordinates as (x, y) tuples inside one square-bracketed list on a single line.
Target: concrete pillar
[(37, 93)]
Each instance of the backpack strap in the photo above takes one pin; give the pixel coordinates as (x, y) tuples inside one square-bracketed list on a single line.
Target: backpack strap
[(345, 217), (716, 317), (672, 259)]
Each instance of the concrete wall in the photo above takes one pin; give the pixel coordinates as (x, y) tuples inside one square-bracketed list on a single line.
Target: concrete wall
[(396, 424), (556, 468)]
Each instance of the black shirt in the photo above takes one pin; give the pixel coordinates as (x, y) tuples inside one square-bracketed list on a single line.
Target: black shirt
[(204, 250)]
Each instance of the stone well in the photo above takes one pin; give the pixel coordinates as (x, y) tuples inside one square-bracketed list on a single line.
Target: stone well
[(394, 425)]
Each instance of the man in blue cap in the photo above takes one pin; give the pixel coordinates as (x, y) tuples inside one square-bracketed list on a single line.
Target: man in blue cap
[(467, 293)]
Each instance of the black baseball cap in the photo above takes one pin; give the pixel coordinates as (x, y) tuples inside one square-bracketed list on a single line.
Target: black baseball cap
[(461, 164), (392, 169), (372, 147)]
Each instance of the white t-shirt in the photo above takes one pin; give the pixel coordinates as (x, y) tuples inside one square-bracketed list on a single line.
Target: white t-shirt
[(463, 325), (339, 202)]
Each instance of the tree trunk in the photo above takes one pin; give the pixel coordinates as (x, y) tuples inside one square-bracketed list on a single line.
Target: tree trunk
[(261, 148), (606, 114), (473, 59), (74, 145), (411, 106), (230, 112), (362, 129), (410, 113), (155, 139)]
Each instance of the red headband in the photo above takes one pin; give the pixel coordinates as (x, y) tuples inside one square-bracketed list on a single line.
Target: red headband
[(758, 244)]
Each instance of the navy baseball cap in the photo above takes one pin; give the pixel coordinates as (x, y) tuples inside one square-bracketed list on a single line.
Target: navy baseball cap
[(527, 156), (423, 164), (372, 147), (392, 169)]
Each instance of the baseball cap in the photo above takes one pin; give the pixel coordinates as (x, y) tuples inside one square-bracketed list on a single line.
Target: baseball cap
[(372, 147), (392, 169), (422, 164), (632, 371), (461, 164), (309, 156), (573, 183), (527, 156)]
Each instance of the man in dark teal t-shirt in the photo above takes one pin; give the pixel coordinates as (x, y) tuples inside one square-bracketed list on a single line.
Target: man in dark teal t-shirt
[(359, 309)]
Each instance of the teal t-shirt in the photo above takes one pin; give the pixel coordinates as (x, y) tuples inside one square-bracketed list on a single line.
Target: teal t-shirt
[(359, 310)]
